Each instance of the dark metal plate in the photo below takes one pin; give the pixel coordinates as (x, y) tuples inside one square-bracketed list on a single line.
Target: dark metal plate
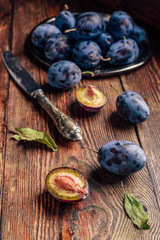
[(103, 68)]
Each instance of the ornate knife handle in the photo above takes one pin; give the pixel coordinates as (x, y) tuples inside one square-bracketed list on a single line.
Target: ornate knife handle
[(66, 126)]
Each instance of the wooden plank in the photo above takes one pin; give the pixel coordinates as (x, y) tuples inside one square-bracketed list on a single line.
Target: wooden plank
[(146, 83), (5, 27), (29, 212)]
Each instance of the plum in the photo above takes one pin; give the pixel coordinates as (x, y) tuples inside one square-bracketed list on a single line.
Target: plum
[(120, 24), (121, 157), (90, 98), (42, 33), (90, 24), (67, 185), (138, 34), (132, 107), (64, 74), (73, 36), (86, 53), (123, 52), (104, 40), (65, 20), (57, 48)]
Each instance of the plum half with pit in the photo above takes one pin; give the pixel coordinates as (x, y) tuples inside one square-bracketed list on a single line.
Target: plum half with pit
[(90, 98), (67, 185)]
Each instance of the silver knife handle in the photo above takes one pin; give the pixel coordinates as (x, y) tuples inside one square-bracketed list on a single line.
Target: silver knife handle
[(66, 126)]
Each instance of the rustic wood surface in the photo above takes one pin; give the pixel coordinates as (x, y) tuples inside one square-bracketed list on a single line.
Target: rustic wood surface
[(27, 210)]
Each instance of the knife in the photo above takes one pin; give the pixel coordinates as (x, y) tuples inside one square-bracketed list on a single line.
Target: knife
[(66, 126)]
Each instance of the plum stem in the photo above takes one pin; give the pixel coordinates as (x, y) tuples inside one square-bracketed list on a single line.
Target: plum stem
[(84, 146), (107, 41), (105, 59), (65, 7), (124, 37), (114, 88), (70, 30), (92, 56), (88, 72), (122, 185)]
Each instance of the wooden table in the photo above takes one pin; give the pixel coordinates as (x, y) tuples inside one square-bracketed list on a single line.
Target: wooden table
[(28, 211)]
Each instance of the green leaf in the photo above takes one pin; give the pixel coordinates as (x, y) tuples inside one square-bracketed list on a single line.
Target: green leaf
[(136, 212), (29, 134)]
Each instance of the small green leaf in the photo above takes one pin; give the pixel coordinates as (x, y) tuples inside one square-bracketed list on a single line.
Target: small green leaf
[(29, 134), (136, 212)]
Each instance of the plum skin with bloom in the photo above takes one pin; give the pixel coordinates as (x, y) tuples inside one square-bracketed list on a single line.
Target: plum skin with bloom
[(138, 34), (57, 48), (64, 74), (89, 25), (65, 20), (132, 107), (123, 52), (121, 157), (120, 24), (42, 33), (86, 53), (104, 40)]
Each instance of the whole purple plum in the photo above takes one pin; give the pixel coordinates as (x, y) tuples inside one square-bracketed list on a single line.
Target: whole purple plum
[(120, 24), (86, 53), (65, 20), (42, 33), (138, 34), (90, 24), (104, 40), (132, 107), (123, 52), (121, 157), (64, 74), (57, 48)]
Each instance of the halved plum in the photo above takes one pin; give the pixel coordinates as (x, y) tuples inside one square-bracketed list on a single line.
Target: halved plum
[(90, 98), (67, 185)]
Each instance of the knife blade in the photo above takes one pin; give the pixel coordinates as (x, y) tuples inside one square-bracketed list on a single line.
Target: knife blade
[(66, 126)]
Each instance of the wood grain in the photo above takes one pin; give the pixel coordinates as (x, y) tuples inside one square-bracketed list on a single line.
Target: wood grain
[(29, 211), (5, 42)]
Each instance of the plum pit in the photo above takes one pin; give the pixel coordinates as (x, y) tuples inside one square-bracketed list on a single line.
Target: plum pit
[(67, 184)]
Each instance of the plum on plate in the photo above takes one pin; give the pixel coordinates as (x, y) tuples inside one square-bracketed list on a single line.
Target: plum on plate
[(104, 40), (42, 33), (120, 24), (90, 24), (123, 52), (65, 20), (138, 34), (86, 53), (57, 48), (67, 185), (132, 107), (121, 157), (64, 74)]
